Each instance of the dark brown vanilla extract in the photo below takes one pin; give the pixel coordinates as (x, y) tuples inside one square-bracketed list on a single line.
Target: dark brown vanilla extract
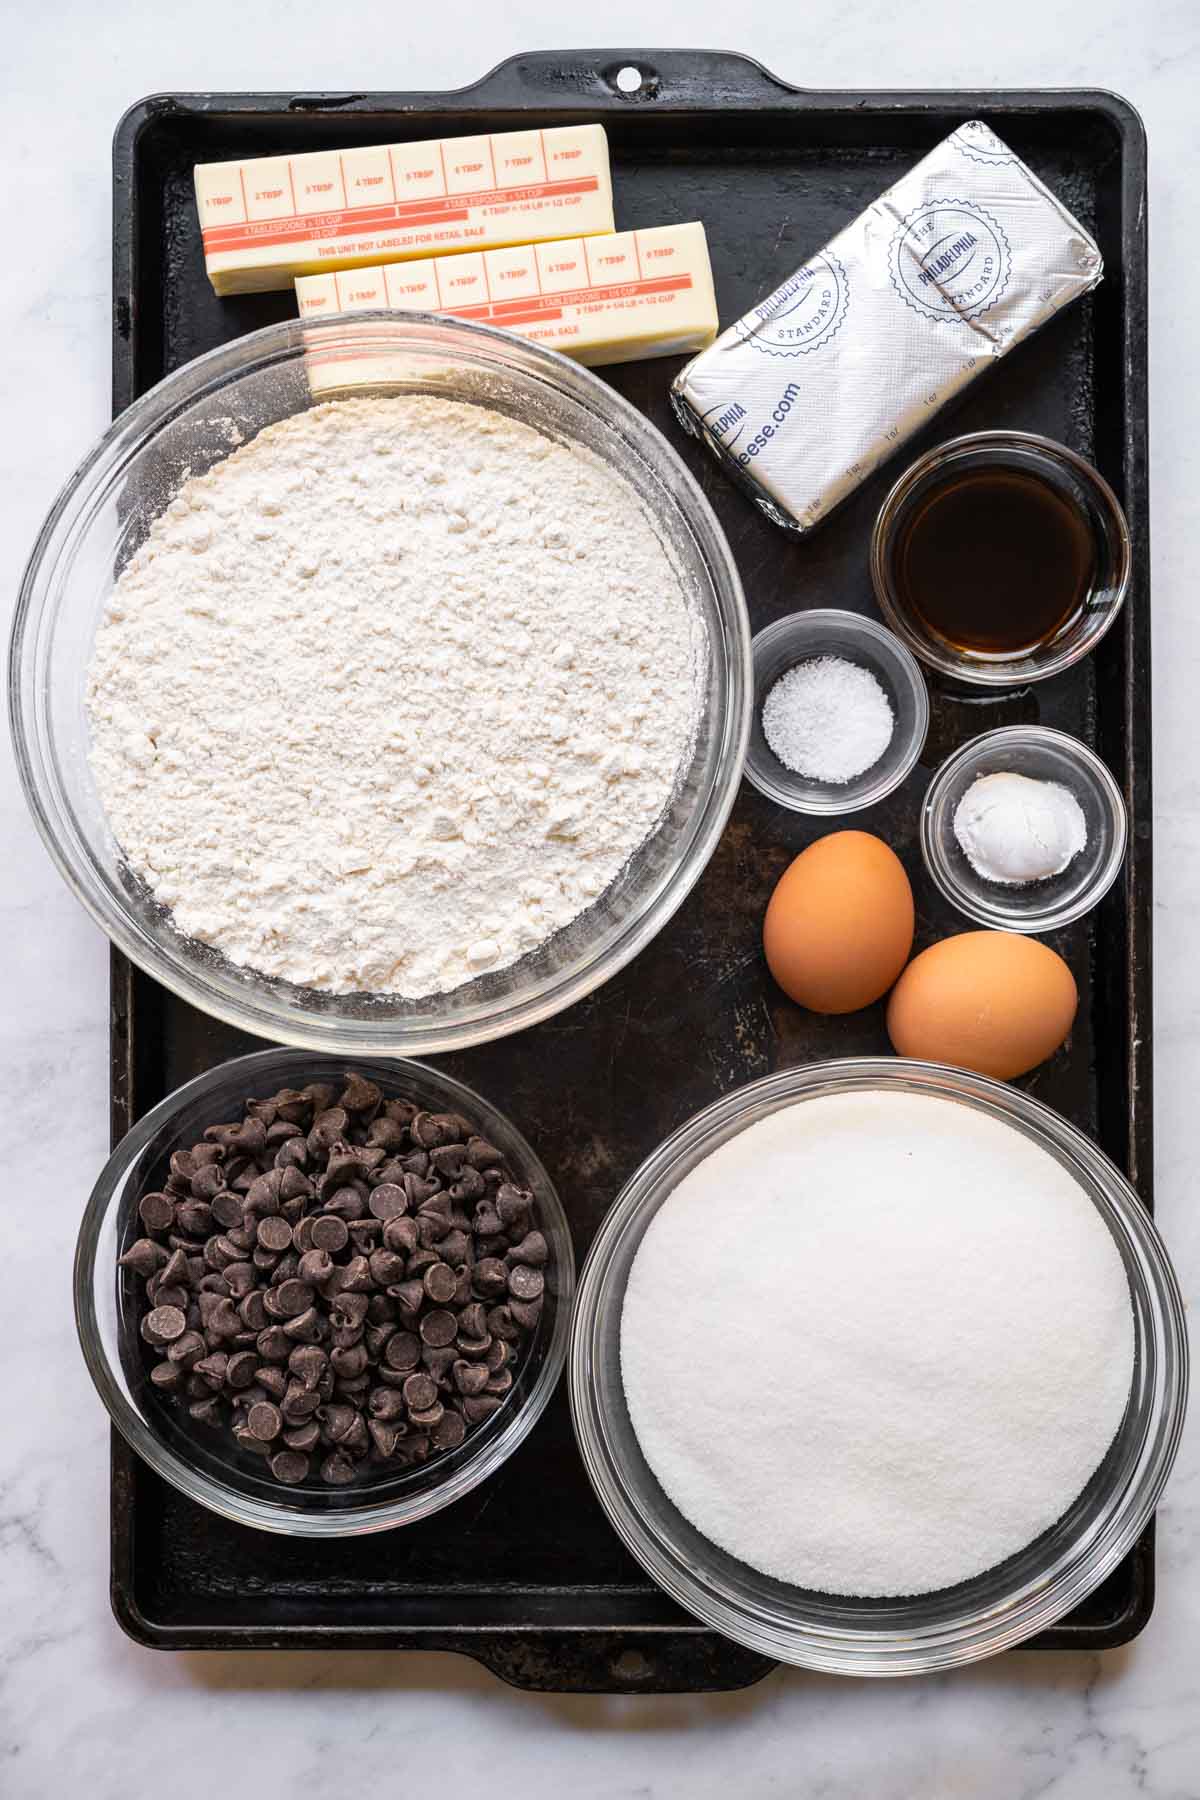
[(994, 562)]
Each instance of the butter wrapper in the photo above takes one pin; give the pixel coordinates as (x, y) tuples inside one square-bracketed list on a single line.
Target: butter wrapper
[(816, 386)]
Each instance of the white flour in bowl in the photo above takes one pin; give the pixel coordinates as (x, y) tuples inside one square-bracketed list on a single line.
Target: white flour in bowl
[(392, 694), (876, 1343)]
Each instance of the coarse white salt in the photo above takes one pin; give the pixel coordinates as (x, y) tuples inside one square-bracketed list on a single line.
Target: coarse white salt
[(828, 719), (909, 1343)]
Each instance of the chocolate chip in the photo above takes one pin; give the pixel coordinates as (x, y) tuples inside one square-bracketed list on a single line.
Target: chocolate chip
[(525, 1283), (386, 1403), (275, 1234), (157, 1212), (289, 1466), (387, 1267), (439, 1283), (306, 1327), (272, 1380), (240, 1279), (293, 1183), (188, 1349), (426, 1417), (490, 1277), (360, 1096), (144, 1257), (349, 1311), (239, 1370), (532, 1249), (227, 1209), (308, 1363), (501, 1324), (164, 1325), (384, 1435), (252, 1311), (482, 1155), (439, 1359), (293, 1297), (264, 1421), (337, 1469), (480, 1407), (512, 1203), (220, 1317), (388, 1201), (473, 1320), (438, 1327), (349, 1361), (274, 1344), (449, 1432), (470, 1377), (403, 1351), (330, 1233), (420, 1391), (299, 1403), (401, 1235), (212, 1368)]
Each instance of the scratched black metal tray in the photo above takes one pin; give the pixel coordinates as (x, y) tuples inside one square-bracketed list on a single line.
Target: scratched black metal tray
[(525, 1574)]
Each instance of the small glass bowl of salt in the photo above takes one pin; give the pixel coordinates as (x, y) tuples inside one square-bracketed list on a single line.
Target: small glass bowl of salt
[(1087, 805), (840, 712)]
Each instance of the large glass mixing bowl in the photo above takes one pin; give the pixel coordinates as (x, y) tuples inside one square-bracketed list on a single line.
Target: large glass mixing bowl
[(915, 1634), (184, 425)]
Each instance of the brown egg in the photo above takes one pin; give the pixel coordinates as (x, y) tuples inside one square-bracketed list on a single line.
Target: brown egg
[(988, 1000), (839, 925)]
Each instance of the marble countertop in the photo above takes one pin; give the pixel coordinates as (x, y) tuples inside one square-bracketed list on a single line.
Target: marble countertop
[(84, 1710)]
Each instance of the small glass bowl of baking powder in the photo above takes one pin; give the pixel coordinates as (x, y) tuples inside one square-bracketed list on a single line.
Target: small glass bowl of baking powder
[(1040, 754), (820, 643)]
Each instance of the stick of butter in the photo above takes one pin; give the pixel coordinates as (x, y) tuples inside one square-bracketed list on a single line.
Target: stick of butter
[(964, 257), (599, 300), (270, 219)]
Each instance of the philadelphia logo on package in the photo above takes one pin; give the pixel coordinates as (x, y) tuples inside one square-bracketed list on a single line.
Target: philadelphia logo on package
[(981, 145), (803, 314), (950, 260)]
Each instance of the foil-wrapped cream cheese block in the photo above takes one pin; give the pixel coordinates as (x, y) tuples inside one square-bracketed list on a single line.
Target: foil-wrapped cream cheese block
[(817, 385)]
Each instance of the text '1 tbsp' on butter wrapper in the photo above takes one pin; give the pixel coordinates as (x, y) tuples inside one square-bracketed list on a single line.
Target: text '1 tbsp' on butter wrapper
[(816, 386)]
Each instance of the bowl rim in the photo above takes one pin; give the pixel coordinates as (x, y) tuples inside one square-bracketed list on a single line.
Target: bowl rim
[(1013, 670), (872, 1651), (1050, 917), (848, 797), (354, 1518), (169, 399)]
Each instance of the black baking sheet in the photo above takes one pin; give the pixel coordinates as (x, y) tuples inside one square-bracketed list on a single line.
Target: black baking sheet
[(525, 1574)]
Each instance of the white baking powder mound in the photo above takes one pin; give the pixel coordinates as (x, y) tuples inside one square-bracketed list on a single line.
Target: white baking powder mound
[(392, 694), (876, 1344)]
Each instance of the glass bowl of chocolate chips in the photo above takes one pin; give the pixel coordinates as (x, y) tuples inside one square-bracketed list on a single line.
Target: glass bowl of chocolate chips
[(324, 1298)]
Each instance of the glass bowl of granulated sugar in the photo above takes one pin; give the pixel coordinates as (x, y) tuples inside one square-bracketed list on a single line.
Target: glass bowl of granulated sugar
[(381, 685), (878, 1367)]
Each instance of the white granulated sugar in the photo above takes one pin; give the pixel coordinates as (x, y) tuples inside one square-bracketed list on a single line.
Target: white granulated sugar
[(392, 694), (908, 1344), (828, 719)]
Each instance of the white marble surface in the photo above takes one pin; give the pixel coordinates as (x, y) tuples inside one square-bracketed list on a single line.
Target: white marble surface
[(83, 1710)]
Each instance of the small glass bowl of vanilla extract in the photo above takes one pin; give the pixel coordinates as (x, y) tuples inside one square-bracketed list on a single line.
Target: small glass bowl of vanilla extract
[(1000, 557)]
